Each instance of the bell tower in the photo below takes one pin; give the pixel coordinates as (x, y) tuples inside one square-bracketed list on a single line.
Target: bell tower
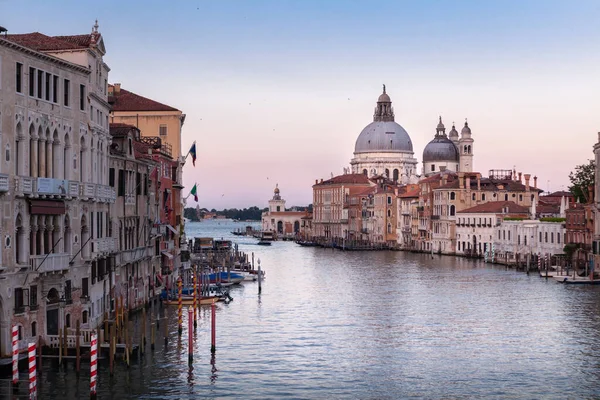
[(465, 147), (276, 204)]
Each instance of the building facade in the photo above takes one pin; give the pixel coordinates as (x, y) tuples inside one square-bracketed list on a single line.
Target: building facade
[(278, 220), (56, 247)]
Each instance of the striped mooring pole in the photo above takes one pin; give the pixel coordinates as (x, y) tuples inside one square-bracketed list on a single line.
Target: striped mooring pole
[(15, 355), (32, 372), (93, 366), (195, 301), (539, 261), (179, 306)]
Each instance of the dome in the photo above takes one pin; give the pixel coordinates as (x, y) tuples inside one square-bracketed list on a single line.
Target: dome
[(453, 133), (466, 129), (383, 136), (440, 149), (384, 98)]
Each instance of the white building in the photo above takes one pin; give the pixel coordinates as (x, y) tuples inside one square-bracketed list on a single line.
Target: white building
[(384, 147), (515, 239), (475, 226), (278, 220), (54, 194)]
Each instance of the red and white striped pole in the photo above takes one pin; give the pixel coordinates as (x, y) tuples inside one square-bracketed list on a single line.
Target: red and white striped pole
[(15, 355), (94, 360), (32, 372)]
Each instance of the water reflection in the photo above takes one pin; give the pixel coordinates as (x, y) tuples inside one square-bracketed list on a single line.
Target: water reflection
[(369, 325)]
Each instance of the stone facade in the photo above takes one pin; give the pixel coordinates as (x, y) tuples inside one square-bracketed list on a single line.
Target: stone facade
[(279, 221)]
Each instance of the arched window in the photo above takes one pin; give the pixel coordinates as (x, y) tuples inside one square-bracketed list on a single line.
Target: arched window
[(389, 228), (32, 154), (365, 172), (452, 210), (84, 317), (82, 160), (20, 250), (482, 196), (396, 175), (432, 167), (474, 197), (67, 233), (68, 321), (296, 226), (389, 213), (506, 197), (452, 196), (66, 162)]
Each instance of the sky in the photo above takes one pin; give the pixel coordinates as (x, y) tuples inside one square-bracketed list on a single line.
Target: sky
[(276, 92)]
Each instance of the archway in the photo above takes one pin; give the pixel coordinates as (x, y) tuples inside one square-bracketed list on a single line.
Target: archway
[(296, 226), (279, 227), (396, 175)]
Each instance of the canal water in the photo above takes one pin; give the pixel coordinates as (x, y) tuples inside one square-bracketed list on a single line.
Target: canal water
[(372, 325)]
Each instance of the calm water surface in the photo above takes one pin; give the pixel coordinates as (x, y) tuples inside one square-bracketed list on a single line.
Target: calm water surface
[(376, 325)]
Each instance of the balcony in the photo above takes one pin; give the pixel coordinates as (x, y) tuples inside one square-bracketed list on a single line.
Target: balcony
[(53, 263), (132, 255), (105, 245), (95, 192), (3, 183), (46, 187), (24, 185)]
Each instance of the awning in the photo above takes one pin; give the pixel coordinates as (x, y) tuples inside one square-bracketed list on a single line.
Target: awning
[(172, 229), (167, 254), (48, 207)]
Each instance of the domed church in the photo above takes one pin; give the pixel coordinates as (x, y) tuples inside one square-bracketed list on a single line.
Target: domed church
[(384, 147), (450, 152)]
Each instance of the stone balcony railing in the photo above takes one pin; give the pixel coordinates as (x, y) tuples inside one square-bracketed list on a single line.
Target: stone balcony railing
[(132, 255), (105, 245), (46, 187), (96, 192), (49, 263), (3, 183)]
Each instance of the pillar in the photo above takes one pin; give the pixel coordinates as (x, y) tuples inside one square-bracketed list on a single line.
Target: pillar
[(42, 158), (49, 159), (33, 157)]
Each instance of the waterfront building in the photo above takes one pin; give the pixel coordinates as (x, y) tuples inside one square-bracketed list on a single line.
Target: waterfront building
[(408, 201), (154, 119), (384, 147), (330, 198), (306, 227), (282, 222), (475, 225), (515, 239), (448, 152), (56, 249), (579, 225)]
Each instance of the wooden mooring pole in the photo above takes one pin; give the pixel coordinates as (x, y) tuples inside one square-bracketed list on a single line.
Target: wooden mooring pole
[(77, 349)]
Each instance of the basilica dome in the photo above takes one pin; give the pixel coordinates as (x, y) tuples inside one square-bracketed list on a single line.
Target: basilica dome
[(440, 149), (383, 134)]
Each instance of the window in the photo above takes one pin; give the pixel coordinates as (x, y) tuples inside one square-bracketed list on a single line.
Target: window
[(48, 82), (85, 287), (509, 236), (68, 321), (68, 288), (55, 89), (452, 196), (520, 197), (540, 237), (67, 93), (121, 189), (552, 237), (432, 167), (474, 197), (19, 77), (82, 98), (546, 236), (162, 130), (111, 177), (33, 303), (19, 305), (92, 113), (40, 83), (483, 197), (558, 238), (31, 81), (34, 329), (389, 200), (84, 317), (138, 183)]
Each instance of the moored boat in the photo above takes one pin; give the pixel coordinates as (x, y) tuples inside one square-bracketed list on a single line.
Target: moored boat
[(264, 243)]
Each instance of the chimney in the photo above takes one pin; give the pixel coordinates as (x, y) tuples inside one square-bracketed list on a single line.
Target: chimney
[(535, 182), (478, 181), (116, 89), (321, 180), (520, 174), (316, 181), (527, 177), (461, 180)]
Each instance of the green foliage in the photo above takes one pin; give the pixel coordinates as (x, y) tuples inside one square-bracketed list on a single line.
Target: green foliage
[(190, 213), (252, 213), (569, 249), (552, 219), (581, 179), (514, 218)]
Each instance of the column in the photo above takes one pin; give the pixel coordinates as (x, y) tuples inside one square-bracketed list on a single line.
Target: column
[(42, 158), (33, 158), (49, 159), (41, 237), (56, 156)]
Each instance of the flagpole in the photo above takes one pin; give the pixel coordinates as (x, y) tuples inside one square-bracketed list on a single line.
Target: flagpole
[(188, 153)]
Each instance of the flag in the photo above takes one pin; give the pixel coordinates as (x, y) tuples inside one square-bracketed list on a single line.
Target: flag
[(193, 153), (194, 192)]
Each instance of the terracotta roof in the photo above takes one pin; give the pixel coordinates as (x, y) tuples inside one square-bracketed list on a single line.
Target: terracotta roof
[(129, 101), (118, 129), (496, 207), (40, 42), (411, 194), (346, 179), (364, 192)]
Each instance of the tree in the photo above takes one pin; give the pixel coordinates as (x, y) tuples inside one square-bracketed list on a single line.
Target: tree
[(581, 179)]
